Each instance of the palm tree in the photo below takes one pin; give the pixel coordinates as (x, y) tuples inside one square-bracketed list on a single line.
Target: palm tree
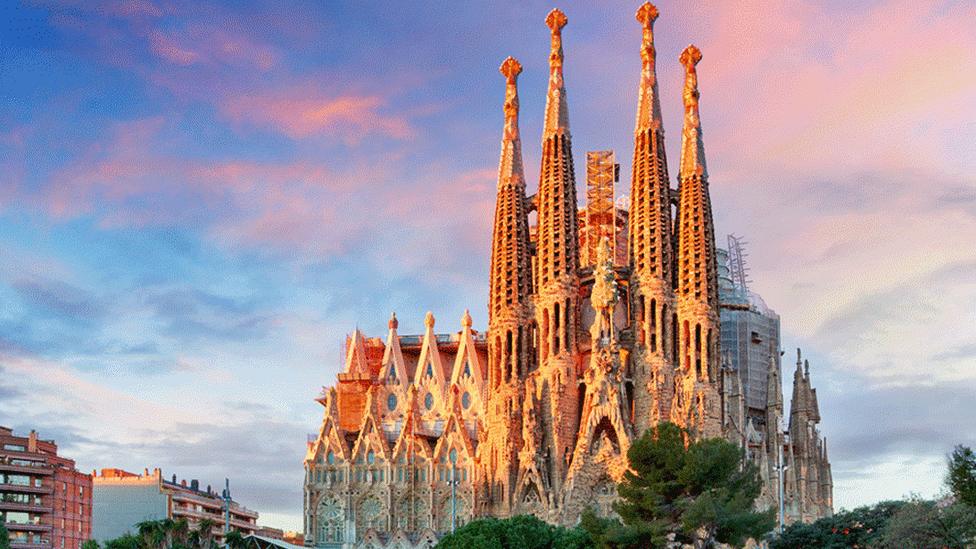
[(179, 533), (204, 533), (234, 540)]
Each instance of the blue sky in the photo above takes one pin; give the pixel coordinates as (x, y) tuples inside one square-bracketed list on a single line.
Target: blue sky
[(199, 200)]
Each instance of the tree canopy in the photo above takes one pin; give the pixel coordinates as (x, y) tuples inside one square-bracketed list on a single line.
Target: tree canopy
[(518, 532), (4, 537), (171, 534), (961, 477), (691, 491)]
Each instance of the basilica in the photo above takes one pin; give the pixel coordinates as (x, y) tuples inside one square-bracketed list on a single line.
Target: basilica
[(602, 322)]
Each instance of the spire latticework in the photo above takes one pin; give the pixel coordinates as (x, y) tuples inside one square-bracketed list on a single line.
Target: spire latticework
[(509, 306), (651, 245), (510, 279), (695, 404), (697, 278), (557, 263)]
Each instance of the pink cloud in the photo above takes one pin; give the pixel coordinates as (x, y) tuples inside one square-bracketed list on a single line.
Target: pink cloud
[(299, 114), (165, 48)]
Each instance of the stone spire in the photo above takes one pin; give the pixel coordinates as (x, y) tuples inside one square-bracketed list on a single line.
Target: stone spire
[(692, 146), (556, 282), (557, 114), (511, 277), (558, 253), (648, 103), (509, 307), (651, 245), (697, 278)]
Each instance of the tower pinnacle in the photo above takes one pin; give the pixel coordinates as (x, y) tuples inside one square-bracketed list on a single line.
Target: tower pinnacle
[(692, 146), (648, 104), (557, 114), (511, 278), (651, 245)]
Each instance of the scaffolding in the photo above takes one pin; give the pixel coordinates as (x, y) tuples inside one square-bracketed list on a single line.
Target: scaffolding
[(602, 171)]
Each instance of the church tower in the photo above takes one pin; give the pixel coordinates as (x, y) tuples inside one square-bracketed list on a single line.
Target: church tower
[(557, 272), (509, 311), (651, 247), (696, 401)]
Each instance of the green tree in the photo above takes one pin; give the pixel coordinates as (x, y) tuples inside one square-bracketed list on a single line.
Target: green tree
[(235, 540), (518, 532), (4, 537), (920, 523), (203, 536), (961, 477), (128, 541), (861, 527), (90, 544), (699, 493)]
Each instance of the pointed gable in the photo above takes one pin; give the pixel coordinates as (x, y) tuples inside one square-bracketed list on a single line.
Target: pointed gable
[(394, 369), (356, 360), (371, 435), (430, 377), (330, 437), (455, 434), (468, 376)]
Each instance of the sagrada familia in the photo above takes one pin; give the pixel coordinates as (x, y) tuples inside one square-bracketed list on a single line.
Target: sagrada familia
[(593, 337)]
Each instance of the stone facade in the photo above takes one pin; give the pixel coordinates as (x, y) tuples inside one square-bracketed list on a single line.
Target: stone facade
[(535, 415)]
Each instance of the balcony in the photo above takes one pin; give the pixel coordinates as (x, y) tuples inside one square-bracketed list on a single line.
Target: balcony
[(14, 526), (30, 545), (30, 507), (46, 489), (39, 469)]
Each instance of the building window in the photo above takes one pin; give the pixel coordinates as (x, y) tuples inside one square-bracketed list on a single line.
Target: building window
[(370, 457), (466, 400), (330, 521), (391, 402), (429, 400)]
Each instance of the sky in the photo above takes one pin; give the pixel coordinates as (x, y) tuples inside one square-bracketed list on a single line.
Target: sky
[(198, 201)]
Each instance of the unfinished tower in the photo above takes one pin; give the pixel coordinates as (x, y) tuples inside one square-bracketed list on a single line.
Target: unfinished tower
[(509, 310), (556, 277), (696, 400), (651, 252)]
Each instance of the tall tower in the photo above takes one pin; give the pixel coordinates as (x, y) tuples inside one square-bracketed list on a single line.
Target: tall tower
[(696, 404), (557, 272), (509, 314), (651, 251)]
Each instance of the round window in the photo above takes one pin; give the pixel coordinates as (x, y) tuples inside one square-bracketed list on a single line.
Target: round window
[(391, 402), (429, 401), (330, 458), (370, 457), (466, 400)]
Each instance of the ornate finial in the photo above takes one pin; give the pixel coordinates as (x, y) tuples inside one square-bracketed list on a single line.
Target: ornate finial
[(394, 323), (429, 320), (510, 68), (646, 15), (648, 104), (689, 58), (557, 114), (556, 20), (806, 368), (466, 319)]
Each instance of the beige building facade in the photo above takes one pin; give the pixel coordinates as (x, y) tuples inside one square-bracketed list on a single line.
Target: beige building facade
[(594, 335)]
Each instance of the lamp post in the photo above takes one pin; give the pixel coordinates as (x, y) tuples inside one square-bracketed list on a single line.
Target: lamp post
[(453, 458)]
